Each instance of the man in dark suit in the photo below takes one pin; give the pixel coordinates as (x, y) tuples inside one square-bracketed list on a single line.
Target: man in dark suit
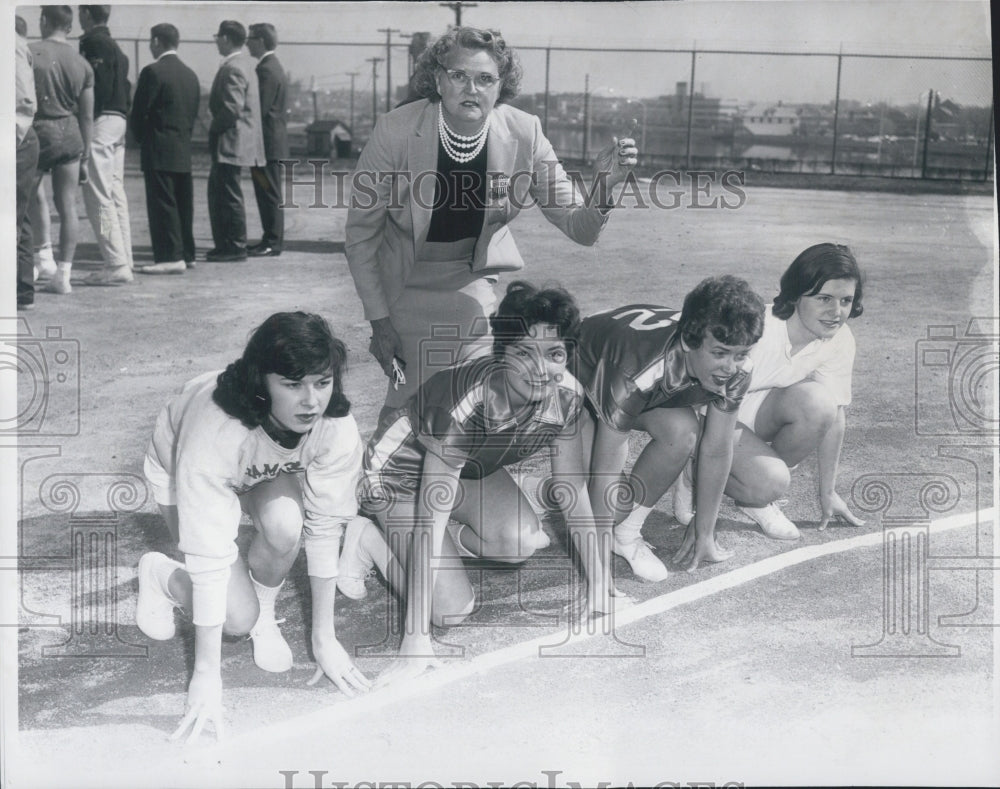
[(262, 42), (163, 114), (234, 140)]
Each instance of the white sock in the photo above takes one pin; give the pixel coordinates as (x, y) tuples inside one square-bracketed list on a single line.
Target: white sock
[(266, 595), (629, 529), (63, 269)]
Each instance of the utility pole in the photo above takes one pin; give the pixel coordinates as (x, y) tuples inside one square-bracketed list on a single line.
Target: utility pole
[(927, 132), (352, 75), (586, 114), (374, 62), (388, 64), (312, 89), (457, 8)]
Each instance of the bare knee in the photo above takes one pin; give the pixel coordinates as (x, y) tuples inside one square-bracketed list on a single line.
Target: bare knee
[(772, 482), (448, 616), (281, 526), (515, 543), (241, 618), (676, 428), (812, 405)]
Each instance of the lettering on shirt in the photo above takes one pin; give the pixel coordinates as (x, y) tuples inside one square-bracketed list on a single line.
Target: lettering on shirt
[(271, 470)]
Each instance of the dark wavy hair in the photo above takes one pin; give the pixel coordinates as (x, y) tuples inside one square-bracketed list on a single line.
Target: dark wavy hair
[(725, 306), (293, 345), (438, 56), (524, 306), (811, 270)]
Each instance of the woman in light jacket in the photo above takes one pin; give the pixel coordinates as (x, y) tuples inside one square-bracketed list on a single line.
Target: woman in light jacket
[(433, 192)]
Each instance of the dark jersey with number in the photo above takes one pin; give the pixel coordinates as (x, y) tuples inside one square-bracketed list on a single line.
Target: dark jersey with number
[(463, 415), (630, 360)]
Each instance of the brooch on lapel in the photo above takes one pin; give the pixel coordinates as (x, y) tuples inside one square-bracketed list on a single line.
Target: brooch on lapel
[(499, 186)]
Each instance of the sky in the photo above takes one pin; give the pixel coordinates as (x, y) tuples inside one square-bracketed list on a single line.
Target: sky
[(941, 27)]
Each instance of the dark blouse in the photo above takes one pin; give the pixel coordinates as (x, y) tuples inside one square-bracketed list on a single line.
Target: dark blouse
[(459, 197)]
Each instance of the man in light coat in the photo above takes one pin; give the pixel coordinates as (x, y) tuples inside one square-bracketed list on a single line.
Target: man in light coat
[(234, 140)]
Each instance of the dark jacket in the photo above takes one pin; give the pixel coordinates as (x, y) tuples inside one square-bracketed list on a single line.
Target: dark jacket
[(111, 86), (273, 107), (164, 113)]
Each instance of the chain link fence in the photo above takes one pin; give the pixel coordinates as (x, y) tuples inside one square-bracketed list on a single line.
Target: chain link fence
[(903, 116)]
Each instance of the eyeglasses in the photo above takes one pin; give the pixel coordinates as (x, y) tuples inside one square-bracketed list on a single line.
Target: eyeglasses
[(460, 79)]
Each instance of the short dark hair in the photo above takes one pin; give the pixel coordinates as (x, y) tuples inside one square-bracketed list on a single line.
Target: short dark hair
[(59, 17), (167, 33), (266, 33), (436, 57), (99, 14), (20, 26), (524, 305), (724, 306), (290, 344), (811, 270), (234, 31)]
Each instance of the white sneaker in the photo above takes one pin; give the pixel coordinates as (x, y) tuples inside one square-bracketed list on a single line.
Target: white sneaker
[(59, 284), (355, 562), (540, 540), (172, 267), (684, 495), (154, 612), (270, 650), (641, 559), (45, 263), (772, 522)]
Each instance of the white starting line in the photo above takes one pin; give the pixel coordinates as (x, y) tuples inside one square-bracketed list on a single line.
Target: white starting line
[(266, 737)]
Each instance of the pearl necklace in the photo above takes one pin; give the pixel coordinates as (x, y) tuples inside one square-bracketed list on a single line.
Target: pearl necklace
[(459, 147)]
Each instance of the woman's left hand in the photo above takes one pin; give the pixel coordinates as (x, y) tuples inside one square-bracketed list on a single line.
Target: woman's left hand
[(617, 159), (834, 507), (333, 660)]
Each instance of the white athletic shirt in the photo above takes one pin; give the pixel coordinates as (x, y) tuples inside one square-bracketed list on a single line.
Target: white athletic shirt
[(212, 457), (829, 362)]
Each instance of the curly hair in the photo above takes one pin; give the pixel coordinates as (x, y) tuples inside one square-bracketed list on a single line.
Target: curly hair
[(524, 305), (290, 344), (811, 270), (438, 56), (725, 306)]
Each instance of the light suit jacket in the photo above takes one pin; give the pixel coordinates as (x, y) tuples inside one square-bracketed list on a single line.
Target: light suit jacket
[(387, 224), (235, 136)]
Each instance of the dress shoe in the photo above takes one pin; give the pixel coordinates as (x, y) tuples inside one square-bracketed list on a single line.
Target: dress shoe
[(226, 256), (171, 267), (263, 251)]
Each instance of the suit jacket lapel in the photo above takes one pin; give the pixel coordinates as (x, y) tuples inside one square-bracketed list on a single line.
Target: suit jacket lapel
[(501, 147), (422, 153)]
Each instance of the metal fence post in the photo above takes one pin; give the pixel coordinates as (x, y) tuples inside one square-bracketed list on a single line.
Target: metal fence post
[(836, 116), (545, 118), (687, 155), (927, 132)]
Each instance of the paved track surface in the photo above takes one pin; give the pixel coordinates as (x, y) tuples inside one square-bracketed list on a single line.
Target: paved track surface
[(756, 683)]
